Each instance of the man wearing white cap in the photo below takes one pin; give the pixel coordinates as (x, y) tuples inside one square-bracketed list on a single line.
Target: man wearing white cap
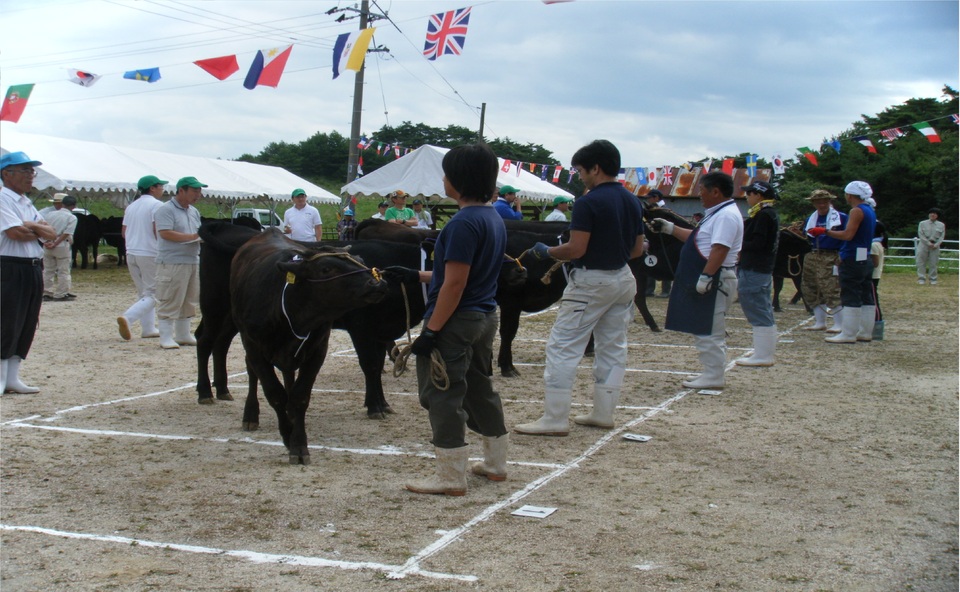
[(856, 268), (561, 204), (21, 263), (140, 233)]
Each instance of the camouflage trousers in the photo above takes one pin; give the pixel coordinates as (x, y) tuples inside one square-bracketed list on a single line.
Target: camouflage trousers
[(819, 282)]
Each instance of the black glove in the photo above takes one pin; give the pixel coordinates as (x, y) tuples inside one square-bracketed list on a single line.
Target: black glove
[(402, 274), (425, 343)]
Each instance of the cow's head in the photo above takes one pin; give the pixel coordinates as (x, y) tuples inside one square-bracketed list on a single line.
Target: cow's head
[(341, 279)]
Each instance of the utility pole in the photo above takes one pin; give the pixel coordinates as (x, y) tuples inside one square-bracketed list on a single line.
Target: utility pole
[(483, 115), (366, 17)]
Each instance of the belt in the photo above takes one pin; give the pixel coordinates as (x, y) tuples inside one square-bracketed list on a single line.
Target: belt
[(21, 260), (826, 250)]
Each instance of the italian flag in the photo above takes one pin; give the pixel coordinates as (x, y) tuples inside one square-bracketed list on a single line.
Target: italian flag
[(931, 134), (16, 101)]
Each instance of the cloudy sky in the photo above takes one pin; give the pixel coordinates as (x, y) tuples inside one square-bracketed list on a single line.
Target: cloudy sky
[(665, 81)]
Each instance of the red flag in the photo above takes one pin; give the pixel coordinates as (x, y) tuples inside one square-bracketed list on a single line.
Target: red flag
[(556, 173), (220, 68), (727, 166), (15, 102), (506, 166)]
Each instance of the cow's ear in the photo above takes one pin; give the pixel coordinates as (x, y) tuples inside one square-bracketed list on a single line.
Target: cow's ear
[(292, 269)]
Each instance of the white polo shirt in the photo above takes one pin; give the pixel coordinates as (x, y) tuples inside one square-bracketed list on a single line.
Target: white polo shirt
[(721, 225), (14, 209), (302, 223), (138, 218)]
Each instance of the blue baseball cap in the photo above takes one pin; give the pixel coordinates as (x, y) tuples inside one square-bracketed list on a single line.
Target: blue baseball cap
[(348, 212), (15, 158)]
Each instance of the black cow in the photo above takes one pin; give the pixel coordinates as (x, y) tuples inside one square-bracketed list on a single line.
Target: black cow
[(285, 298), (112, 231), (86, 236), (659, 262), (374, 228), (793, 247), (372, 329)]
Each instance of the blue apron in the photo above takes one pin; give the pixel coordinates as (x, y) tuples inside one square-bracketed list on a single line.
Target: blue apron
[(689, 311)]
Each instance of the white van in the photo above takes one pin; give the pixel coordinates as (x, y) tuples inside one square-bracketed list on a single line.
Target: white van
[(263, 216)]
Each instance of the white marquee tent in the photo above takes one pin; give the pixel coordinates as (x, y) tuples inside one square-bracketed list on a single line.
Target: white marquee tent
[(420, 175), (95, 166)]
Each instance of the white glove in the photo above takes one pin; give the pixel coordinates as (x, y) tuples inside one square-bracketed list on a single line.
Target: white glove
[(704, 283), (661, 225)]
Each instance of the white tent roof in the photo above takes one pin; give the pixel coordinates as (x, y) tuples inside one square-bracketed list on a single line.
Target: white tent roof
[(420, 174), (96, 166)]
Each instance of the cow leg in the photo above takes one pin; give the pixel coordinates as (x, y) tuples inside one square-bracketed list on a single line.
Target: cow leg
[(799, 295), (96, 249), (298, 400), (371, 357), (509, 325), (251, 407), (273, 390), (204, 349), (220, 348), (640, 300), (777, 288)]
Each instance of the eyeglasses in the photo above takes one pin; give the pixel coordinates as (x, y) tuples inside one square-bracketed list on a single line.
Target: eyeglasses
[(31, 172)]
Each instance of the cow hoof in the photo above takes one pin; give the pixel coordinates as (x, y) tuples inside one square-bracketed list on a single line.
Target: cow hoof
[(376, 415), (205, 400), (389, 410), (251, 426), (510, 373), (777, 309), (225, 396), (300, 459)]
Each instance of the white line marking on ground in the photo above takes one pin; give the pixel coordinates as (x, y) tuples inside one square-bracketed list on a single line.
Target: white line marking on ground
[(251, 556), (413, 564), (12, 421)]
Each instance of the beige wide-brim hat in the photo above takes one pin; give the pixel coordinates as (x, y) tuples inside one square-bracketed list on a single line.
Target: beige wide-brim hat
[(819, 194)]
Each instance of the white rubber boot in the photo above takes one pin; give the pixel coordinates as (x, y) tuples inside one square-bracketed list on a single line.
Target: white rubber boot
[(12, 382), (850, 328), (451, 476), (183, 336), (148, 322), (819, 319), (605, 400), (837, 321), (868, 314), (166, 334), (713, 360), (494, 464), (764, 347), (556, 411), (3, 376)]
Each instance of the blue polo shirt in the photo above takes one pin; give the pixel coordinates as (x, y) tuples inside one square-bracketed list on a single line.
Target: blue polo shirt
[(614, 219)]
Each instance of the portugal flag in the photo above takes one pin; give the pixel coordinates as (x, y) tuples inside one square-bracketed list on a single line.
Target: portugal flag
[(15, 102)]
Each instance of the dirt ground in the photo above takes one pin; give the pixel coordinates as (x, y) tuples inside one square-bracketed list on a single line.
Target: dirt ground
[(836, 469)]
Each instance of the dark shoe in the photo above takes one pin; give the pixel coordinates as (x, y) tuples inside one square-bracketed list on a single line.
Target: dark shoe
[(47, 297), (71, 296), (63, 298)]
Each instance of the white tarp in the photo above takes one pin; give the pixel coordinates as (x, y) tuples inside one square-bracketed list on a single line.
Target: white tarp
[(420, 174), (96, 166)]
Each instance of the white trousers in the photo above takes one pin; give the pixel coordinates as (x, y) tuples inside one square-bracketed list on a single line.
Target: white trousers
[(712, 349), (56, 270), (597, 302)]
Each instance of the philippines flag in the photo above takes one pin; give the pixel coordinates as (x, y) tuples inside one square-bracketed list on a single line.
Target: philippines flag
[(866, 142), (446, 33), (706, 165), (267, 68)]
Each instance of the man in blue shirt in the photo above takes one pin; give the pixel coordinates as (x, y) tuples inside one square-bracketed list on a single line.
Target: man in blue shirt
[(507, 205), (606, 231)]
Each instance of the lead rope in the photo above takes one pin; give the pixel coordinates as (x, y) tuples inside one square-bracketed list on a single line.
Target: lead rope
[(283, 307), (400, 353)]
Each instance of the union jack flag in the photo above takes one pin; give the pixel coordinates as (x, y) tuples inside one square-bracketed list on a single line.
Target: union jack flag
[(446, 33), (667, 176)]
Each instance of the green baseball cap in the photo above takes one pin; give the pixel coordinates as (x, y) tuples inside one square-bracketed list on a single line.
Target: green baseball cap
[(297, 192), (149, 181), (189, 182), (508, 189), (561, 199)]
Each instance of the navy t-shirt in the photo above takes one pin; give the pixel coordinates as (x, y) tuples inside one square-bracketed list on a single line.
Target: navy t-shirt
[(475, 236), (613, 217)]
